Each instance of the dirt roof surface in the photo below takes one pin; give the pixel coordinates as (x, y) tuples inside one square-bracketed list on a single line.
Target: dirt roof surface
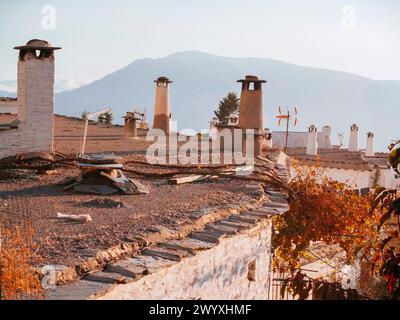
[(116, 218)]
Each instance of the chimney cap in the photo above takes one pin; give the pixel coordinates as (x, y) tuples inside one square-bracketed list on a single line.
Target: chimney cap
[(251, 78), (37, 44), (354, 127), (162, 79), (312, 128)]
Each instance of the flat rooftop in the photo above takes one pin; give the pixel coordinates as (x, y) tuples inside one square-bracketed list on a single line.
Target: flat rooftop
[(26, 194)]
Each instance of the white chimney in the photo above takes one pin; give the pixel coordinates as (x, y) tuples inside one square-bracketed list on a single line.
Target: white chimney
[(353, 143), (369, 150), (312, 143), (233, 119), (268, 138)]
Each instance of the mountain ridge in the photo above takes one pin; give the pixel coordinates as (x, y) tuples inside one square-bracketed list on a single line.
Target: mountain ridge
[(200, 80)]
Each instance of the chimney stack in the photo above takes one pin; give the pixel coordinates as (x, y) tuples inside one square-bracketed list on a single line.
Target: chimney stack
[(268, 138), (353, 143), (251, 113), (312, 143), (130, 125), (162, 113), (369, 151), (233, 119)]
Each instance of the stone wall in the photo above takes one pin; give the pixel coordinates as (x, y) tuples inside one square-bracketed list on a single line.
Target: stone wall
[(238, 268)]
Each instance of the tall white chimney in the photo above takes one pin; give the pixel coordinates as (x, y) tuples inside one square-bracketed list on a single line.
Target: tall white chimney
[(312, 143), (353, 143), (268, 138), (369, 150)]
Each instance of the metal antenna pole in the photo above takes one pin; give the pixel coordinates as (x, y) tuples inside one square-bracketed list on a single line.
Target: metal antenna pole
[(287, 130)]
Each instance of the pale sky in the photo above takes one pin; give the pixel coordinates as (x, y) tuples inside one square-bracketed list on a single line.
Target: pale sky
[(99, 37)]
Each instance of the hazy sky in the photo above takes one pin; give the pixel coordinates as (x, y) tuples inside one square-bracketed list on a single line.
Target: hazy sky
[(99, 37)]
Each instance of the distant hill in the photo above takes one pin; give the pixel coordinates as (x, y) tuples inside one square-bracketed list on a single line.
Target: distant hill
[(200, 80)]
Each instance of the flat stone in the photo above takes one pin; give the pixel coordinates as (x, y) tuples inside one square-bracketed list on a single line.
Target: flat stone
[(202, 212), (251, 216), (192, 244), (108, 277), (176, 246), (150, 263), (278, 199), (127, 269), (239, 219), (222, 228), (162, 253), (275, 205), (236, 224), (263, 211), (279, 209), (207, 236), (80, 290)]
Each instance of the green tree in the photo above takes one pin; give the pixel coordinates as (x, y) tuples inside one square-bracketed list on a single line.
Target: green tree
[(108, 117), (227, 105)]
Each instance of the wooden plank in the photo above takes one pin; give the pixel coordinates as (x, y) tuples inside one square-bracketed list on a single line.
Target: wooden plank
[(91, 166), (186, 179)]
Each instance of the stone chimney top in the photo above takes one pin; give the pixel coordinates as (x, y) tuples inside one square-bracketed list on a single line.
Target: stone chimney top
[(353, 143), (251, 78), (312, 128), (163, 80), (37, 44), (369, 150), (354, 127), (312, 142)]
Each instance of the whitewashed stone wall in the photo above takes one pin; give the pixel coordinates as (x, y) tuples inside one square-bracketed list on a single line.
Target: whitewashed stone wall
[(218, 273), (299, 139), (356, 179), (35, 109)]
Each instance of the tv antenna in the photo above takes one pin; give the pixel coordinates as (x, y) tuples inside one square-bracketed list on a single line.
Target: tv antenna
[(288, 117), (142, 116), (90, 116)]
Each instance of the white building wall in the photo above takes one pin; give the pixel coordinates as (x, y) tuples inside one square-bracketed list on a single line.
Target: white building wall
[(388, 179), (299, 139), (218, 273), (355, 179)]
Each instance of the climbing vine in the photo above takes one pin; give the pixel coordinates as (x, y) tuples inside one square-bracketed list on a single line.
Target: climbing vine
[(324, 210)]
